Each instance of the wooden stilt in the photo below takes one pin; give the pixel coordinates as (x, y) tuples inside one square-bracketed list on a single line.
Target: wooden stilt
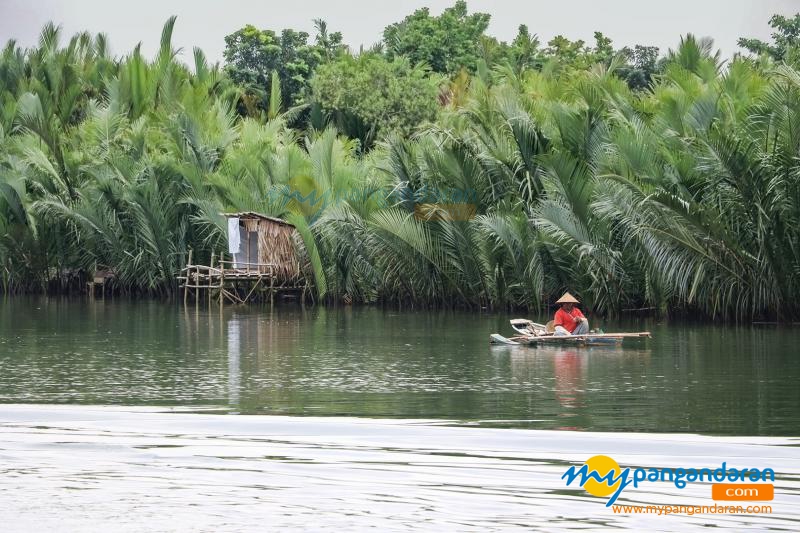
[(255, 285), (186, 281), (227, 277), (221, 279), (210, 277), (271, 290)]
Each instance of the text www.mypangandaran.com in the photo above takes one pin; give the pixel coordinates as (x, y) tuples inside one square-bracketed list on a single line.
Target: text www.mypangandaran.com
[(663, 510)]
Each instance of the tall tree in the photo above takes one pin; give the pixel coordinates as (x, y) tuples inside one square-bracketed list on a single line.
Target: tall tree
[(330, 43), (577, 54), (785, 40), (641, 64), (252, 55), (370, 95), (446, 43), (524, 52)]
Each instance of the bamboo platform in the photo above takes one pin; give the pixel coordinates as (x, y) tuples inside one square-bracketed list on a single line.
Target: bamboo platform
[(237, 283)]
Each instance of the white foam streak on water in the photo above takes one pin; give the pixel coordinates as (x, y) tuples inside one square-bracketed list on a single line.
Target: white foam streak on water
[(76, 468)]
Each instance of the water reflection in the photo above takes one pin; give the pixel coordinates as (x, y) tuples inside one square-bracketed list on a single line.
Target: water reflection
[(568, 379), (385, 363), (234, 362), (570, 370)]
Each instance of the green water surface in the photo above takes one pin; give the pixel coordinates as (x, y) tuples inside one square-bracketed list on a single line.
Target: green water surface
[(372, 362)]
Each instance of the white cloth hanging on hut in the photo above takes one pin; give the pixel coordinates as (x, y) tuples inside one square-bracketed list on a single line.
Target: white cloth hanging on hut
[(234, 241)]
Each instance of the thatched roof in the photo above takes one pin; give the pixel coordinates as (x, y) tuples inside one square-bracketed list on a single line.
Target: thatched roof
[(251, 215)]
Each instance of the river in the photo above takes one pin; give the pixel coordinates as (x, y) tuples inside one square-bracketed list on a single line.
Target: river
[(367, 417)]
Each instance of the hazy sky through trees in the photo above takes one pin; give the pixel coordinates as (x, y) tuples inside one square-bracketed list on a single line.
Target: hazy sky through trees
[(204, 23)]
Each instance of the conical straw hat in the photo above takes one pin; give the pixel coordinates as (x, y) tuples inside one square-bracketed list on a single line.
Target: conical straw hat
[(567, 299)]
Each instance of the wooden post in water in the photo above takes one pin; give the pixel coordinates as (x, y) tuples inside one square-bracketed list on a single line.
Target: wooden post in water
[(196, 290), (271, 286), (210, 277), (186, 281), (221, 279)]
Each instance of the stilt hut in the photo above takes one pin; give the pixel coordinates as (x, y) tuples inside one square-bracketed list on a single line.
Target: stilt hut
[(265, 261), (263, 244)]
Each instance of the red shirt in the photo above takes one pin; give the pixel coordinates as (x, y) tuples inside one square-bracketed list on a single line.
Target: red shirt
[(565, 320)]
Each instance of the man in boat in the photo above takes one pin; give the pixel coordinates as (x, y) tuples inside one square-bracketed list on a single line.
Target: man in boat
[(569, 320)]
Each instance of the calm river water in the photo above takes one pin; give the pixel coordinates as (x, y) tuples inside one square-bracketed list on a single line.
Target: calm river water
[(389, 419)]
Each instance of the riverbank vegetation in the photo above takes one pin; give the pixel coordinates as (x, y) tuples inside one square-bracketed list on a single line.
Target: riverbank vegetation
[(634, 178)]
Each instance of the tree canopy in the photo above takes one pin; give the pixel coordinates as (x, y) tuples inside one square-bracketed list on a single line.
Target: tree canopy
[(370, 95), (785, 40), (252, 55), (446, 43), (672, 184)]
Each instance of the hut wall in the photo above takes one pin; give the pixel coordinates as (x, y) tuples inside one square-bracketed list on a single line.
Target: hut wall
[(276, 247)]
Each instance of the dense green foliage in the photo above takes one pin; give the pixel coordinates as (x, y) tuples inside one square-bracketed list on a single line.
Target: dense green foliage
[(446, 43), (253, 55), (370, 95), (786, 45), (681, 193)]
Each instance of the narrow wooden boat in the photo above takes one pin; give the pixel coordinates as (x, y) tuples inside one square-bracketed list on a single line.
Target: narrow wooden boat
[(532, 334)]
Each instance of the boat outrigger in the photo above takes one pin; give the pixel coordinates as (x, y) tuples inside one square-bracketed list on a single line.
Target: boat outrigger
[(532, 334)]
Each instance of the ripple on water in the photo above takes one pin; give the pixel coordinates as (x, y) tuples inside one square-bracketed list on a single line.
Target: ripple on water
[(134, 469)]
